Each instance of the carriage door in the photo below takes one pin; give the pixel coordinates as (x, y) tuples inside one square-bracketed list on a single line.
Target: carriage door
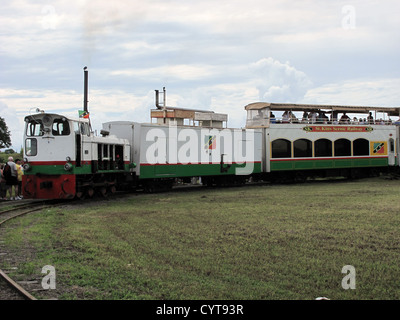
[(392, 158), (78, 150)]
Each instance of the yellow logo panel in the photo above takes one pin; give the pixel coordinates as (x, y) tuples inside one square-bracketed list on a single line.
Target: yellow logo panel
[(378, 148)]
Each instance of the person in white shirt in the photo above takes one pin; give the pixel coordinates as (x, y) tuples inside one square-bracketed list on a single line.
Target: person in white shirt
[(12, 180)]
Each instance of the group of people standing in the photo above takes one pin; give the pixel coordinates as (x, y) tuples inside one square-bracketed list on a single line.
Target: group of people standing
[(11, 184), (312, 117), (320, 117)]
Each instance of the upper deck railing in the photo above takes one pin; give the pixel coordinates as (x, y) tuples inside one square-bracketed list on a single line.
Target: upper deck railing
[(261, 114)]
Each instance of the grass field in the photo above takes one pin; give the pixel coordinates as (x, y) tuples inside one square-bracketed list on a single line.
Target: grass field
[(257, 242)]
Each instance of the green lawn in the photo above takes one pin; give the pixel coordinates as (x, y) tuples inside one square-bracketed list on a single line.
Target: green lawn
[(257, 242)]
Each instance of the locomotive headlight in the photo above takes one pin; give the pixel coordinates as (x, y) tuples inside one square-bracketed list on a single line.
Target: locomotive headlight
[(67, 167), (26, 167), (68, 159)]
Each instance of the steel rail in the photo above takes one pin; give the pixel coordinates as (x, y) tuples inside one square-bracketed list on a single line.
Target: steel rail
[(15, 286)]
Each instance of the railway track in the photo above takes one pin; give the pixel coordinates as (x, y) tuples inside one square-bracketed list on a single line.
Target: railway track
[(11, 290)]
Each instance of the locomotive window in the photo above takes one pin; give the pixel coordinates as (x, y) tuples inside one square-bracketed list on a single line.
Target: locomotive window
[(323, 148), (302, 148), (342, 148), (81, 127), (361, 147), (60, 127), (105, 151), (281, 148), (34, 128), (112, 152), (31, 147), (85, 129), (119, 157)]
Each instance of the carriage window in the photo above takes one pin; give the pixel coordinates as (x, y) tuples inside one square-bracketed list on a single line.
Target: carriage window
[(323, 148), (342, 148), (31, 147), (391, 145), (34, 128), (361, 147), (60, 127), (302, 148), (281, 148)]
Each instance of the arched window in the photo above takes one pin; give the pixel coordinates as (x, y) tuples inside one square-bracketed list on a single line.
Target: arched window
[(361, 147), (342, 148), (323, 148), (302, 148), (281, 148)]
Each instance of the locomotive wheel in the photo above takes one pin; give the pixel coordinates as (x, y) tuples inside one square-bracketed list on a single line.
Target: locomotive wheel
[(103, 191), (80, 195), (90, 192), (113, 189)]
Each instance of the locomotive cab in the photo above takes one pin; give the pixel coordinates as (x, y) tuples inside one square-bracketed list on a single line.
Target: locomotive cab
[(52, 137), (51, 151)]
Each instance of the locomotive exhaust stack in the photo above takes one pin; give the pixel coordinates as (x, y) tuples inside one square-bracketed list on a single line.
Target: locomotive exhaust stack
[(164, 105), (85, 97)]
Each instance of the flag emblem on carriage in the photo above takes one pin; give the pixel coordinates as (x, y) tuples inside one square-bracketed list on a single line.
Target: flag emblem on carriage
[(210, 142), (379, 148)]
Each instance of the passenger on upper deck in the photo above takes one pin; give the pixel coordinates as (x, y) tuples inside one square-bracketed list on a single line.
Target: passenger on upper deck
[(334, 117), (344, 119), (286, 117), (312, 116), (305, 117), (322, 118), (272, 117), (370, 118)]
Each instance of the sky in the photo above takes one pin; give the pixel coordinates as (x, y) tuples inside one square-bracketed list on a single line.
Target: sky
[(212, 55)]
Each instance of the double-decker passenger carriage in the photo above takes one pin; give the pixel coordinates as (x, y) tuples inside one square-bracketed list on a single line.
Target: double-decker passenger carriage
[(321, 140)]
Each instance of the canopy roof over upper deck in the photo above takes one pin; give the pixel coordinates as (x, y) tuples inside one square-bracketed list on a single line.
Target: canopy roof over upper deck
[(326, 108)]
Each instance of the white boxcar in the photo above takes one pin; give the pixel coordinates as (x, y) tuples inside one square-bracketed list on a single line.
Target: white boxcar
[(161, 151)]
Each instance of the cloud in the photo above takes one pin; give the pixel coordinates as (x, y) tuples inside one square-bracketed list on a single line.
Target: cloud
[(180, 72), (280, 82), (383, 92)]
